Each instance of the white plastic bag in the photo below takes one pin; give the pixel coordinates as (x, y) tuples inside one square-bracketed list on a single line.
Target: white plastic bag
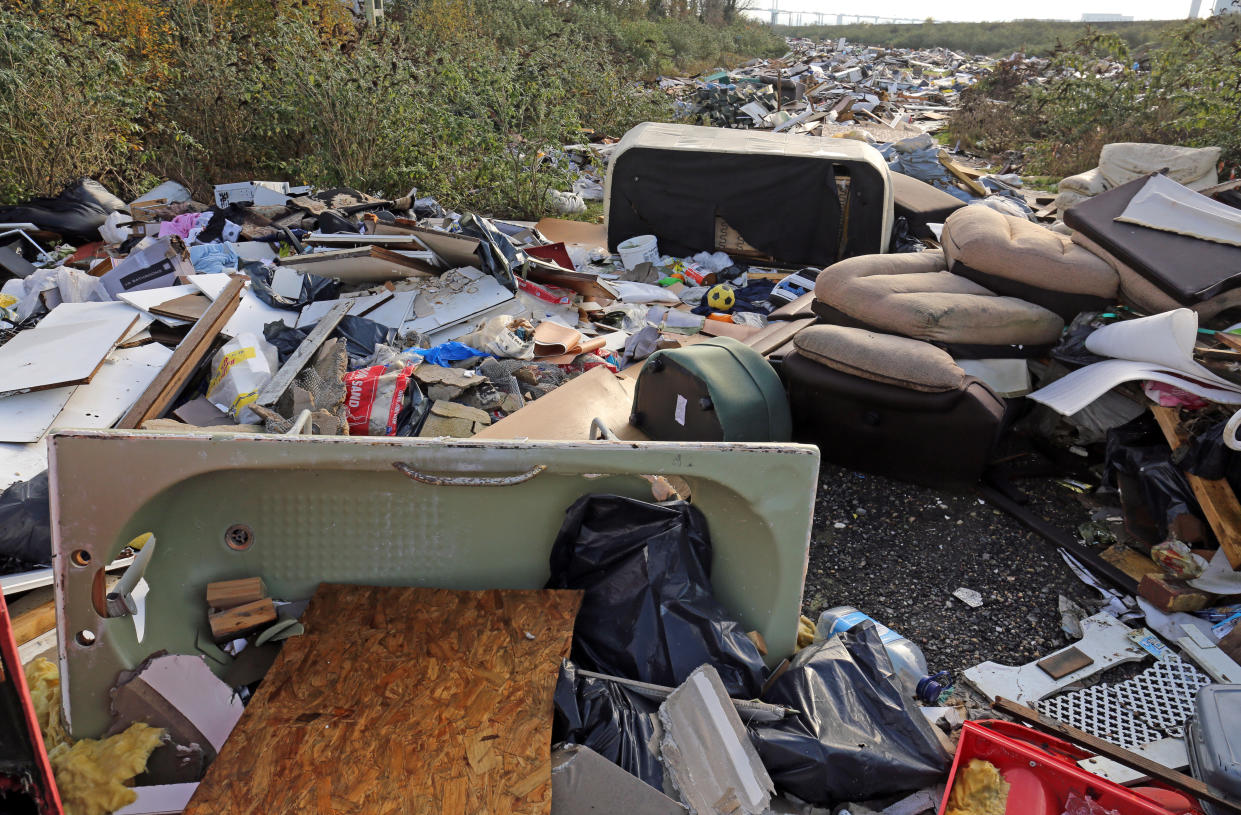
[(501, 336), (239, 371)]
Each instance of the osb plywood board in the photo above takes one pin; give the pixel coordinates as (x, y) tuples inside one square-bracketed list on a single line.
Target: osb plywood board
[(402, 700)]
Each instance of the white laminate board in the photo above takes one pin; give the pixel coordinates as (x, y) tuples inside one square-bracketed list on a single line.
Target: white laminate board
[(112, 390), (122, 378), (252, 313), (58, 355), (25, 417), (66, 313)]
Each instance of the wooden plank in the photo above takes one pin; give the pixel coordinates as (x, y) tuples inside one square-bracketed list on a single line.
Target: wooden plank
[(402, 700), (292, 366), (224, 594), (961, 175), (241, 619), (1215, 496), (1132, 563), (34, 623), (1120, 755), (159, 395)]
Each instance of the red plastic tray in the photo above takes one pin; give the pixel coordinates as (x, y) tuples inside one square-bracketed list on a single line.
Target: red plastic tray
[(1042, 771)]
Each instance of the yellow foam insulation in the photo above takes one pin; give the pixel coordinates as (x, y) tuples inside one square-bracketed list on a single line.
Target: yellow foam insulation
[(978, 790), (806, 632), (91, 774), (44, 680)]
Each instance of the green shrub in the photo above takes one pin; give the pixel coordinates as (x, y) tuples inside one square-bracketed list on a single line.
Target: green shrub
[(1187, 93), (462, 99), (67, 108)]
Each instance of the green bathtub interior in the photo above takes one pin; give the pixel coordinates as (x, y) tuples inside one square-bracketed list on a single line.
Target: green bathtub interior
[(332, 509)]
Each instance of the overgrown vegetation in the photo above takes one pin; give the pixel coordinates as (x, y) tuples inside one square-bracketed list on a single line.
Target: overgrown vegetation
[(1186, 89), (1033, 37), (462, 99)]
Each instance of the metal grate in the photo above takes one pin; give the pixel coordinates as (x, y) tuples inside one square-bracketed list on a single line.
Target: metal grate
[(1151, 706)]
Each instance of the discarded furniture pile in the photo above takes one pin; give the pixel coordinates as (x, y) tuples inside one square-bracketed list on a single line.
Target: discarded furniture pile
[(355, 504)]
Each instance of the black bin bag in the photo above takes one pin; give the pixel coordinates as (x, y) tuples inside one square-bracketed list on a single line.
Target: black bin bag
[(856, 736), (610, 719), (648, 611), (26, 523)]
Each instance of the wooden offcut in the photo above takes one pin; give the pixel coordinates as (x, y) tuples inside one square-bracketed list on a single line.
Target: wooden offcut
[(961, 175), (34, 623), (170, 381), (225, 594), (241, 619), (1215, 496), (402, 700)]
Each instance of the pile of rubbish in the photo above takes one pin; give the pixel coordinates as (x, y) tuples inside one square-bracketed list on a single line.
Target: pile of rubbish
[(516, 516), (325, 312), (826, 88)]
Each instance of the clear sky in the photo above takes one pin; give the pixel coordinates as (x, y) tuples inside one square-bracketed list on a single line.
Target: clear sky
[(976, 10)]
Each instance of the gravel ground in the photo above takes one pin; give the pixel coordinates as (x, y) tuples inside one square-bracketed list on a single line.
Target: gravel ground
[(897, 551)]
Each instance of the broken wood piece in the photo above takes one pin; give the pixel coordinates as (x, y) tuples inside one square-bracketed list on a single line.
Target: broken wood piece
[(961, 175), (1120, 755), (235, 621), (292, 366), (161, 393), (1231, 340), (1169, 595), (1215, 496), (226, 594), (435, 701), (33, 624), (1132, 563)]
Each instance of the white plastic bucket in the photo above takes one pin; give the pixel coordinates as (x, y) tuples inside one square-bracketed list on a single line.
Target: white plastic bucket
[(638, 249)]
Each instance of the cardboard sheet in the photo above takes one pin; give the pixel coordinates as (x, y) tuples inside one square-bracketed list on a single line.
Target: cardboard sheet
[(1159, 348), (566, 412), (573, 233), (144, 300)]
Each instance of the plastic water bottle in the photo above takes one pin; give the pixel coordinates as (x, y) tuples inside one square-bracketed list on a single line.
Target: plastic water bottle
[(908, 663)]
